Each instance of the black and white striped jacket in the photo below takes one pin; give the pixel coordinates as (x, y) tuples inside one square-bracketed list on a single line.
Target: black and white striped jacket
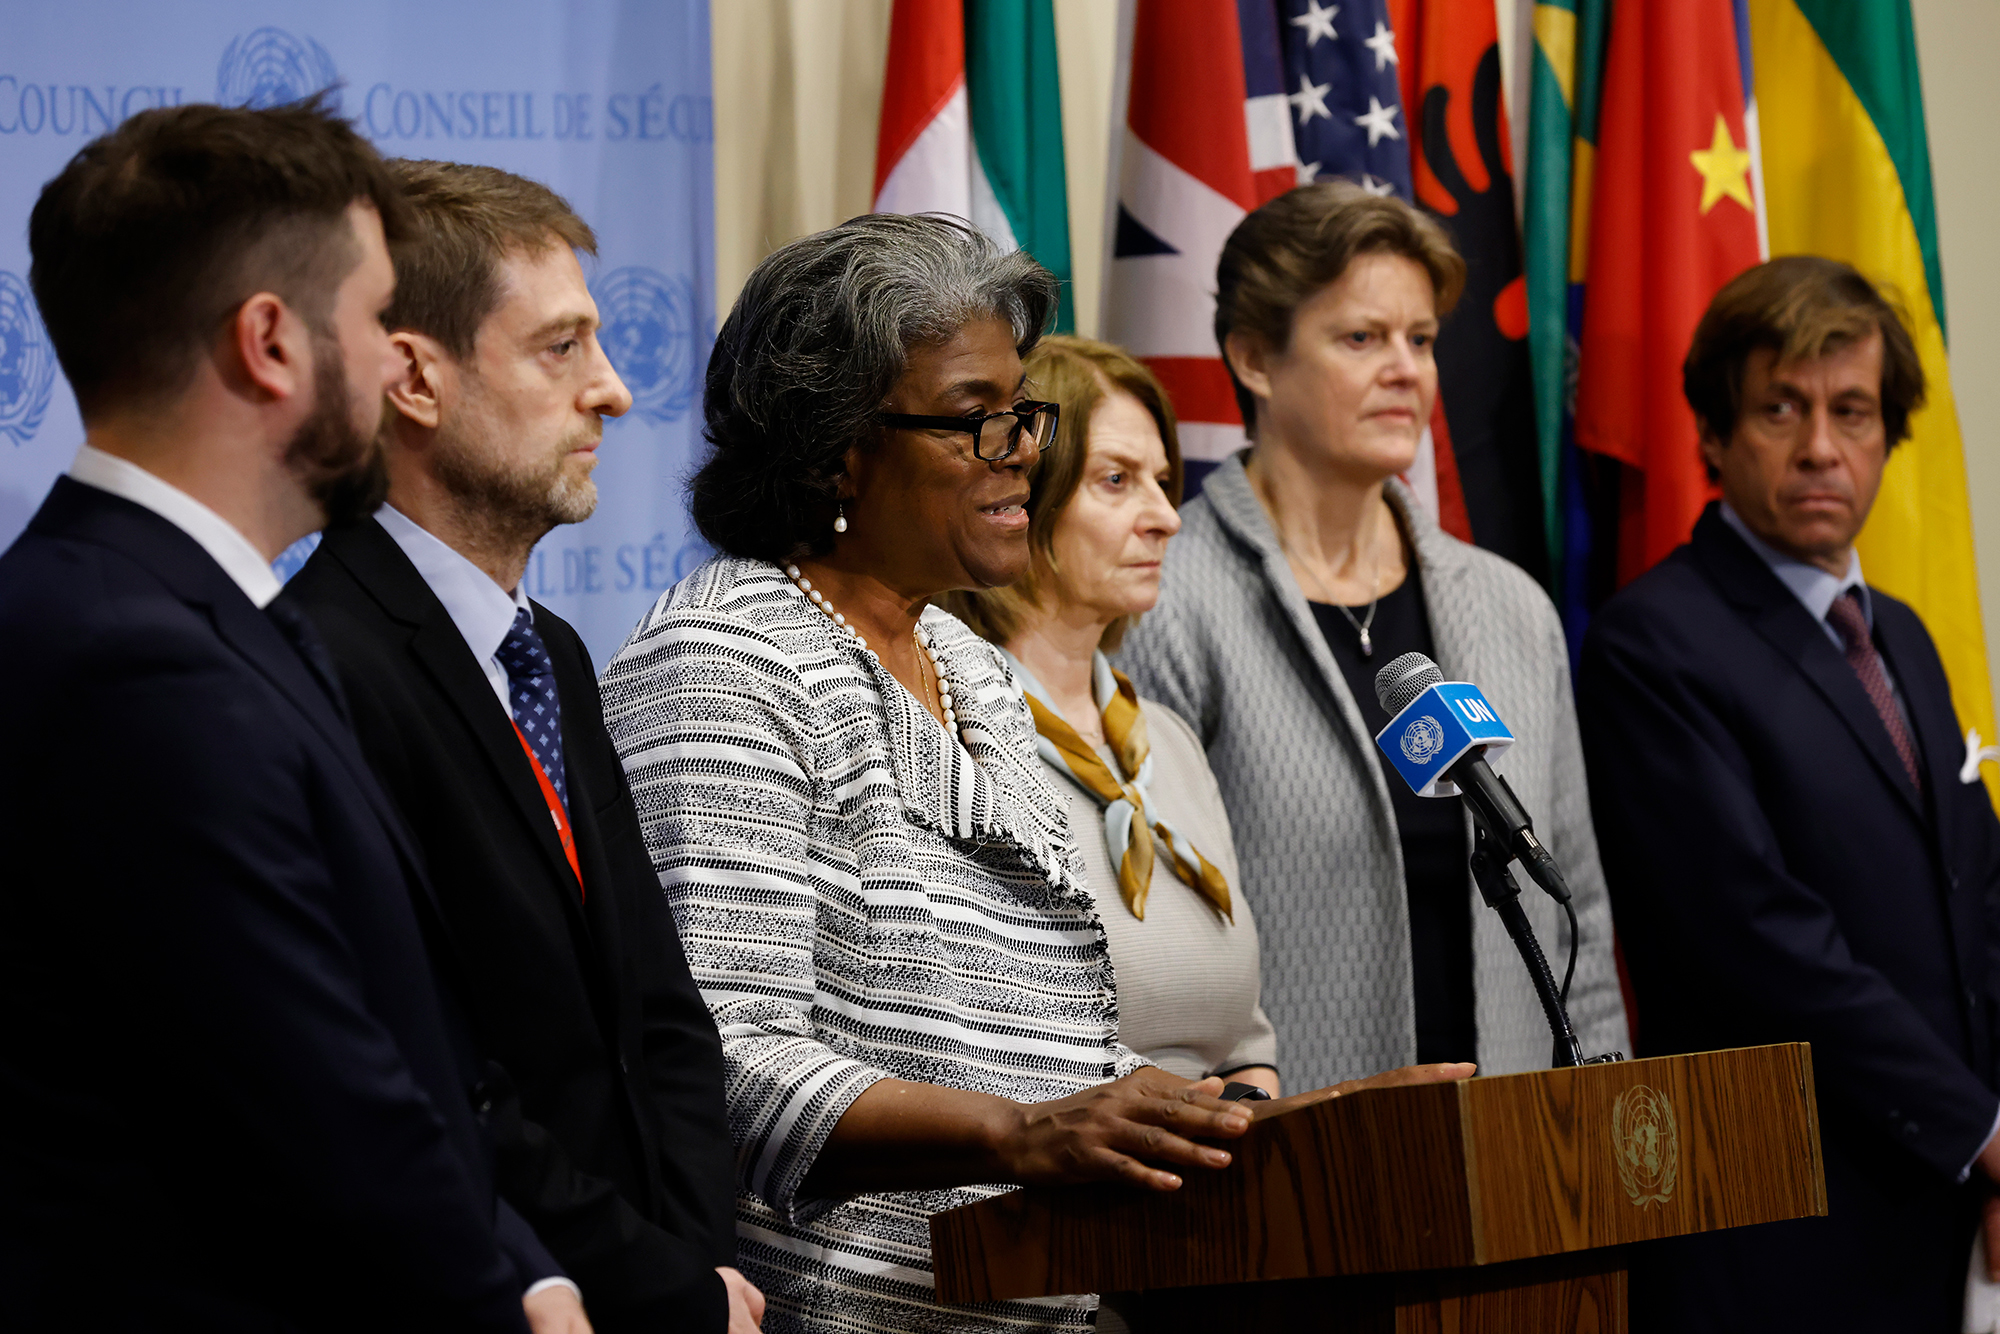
[(860, 896)]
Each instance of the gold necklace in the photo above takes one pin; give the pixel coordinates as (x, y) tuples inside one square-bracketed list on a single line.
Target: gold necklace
[(930, 699)]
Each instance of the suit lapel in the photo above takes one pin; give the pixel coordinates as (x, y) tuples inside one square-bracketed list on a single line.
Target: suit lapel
[(192, 575), (374, 560), (577, 689), (1933, 722), (1784, 623)]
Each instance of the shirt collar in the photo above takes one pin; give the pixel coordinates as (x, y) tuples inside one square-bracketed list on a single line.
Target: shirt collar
[(1102, 685), (482, 610), (1813, 587), (224, 543)]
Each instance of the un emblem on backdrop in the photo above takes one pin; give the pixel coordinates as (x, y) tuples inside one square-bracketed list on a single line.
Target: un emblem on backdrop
[(649, 333), (27, 362), (1422, 739), (270, 67)]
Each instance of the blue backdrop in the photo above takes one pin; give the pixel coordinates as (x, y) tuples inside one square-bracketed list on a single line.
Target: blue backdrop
[(607, 101)]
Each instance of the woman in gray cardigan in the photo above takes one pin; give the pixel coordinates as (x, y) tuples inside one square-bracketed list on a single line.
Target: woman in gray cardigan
[(1304, 566)]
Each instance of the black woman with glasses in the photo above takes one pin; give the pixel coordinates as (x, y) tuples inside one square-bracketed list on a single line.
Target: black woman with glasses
[(876, 890)]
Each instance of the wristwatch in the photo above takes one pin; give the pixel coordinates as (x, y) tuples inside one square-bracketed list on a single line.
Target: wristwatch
[(1236, 1091)]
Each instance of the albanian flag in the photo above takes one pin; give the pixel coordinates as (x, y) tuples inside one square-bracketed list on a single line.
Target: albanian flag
[(1463, 173)]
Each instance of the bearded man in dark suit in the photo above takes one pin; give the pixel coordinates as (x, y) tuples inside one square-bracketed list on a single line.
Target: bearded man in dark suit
[(478, 708), (235, 1098), (1793, 855)]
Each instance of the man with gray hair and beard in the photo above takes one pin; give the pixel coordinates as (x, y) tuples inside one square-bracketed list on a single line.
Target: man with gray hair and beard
[(478, 710)]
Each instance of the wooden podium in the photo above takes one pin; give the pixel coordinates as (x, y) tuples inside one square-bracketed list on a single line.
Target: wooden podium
[(1488, 1205)]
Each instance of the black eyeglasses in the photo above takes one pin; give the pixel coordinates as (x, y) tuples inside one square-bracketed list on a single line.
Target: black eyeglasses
[(995, 436)]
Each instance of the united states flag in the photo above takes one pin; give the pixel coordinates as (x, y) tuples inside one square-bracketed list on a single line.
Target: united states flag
[(1340, 74), (1228, 106)]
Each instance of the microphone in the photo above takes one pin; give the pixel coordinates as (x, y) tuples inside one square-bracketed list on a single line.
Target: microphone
[(1439, 736)]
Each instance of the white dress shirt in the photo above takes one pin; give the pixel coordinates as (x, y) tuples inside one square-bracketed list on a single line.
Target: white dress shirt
[(241, 561), (482, 610)]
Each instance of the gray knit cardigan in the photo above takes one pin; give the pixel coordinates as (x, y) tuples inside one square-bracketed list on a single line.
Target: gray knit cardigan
[(1233, 648)]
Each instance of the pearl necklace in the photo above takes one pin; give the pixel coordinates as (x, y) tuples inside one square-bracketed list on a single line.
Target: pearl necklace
[(922, 636)]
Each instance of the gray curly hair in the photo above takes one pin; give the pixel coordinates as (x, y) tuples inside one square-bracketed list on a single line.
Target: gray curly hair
[(810, 351)]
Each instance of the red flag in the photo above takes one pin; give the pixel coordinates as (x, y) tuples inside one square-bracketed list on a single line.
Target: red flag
[(1461, 165), (1673, 217), (923, 146)]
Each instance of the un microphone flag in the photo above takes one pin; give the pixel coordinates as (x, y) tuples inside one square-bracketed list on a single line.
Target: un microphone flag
[(1436, 730)]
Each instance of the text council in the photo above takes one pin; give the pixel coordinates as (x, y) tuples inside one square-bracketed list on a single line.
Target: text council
[(75, 108)]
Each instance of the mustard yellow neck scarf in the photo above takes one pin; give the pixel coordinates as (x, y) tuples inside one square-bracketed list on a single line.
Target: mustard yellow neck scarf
[(1129, 828)]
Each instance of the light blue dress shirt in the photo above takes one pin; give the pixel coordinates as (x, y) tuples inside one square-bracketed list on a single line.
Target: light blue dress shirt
[(1816, 591), (481, 609)]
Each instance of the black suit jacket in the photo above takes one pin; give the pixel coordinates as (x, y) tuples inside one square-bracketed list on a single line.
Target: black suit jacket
[(233, 1097), (1776, 877), (623, 1164)]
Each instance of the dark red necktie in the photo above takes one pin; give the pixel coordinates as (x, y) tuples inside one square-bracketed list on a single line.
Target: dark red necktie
[(1846, 618)]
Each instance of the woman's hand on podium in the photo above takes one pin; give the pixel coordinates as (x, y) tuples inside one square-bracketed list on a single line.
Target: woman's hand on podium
[(900, 1135), (1138, 1129)]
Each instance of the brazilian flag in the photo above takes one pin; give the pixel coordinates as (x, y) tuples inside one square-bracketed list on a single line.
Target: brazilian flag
[(1847, 173), (1565, 90)]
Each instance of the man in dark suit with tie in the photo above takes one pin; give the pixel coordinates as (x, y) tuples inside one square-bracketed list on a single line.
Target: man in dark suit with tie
[(234, 1097), (1792, 854), (479, 710)]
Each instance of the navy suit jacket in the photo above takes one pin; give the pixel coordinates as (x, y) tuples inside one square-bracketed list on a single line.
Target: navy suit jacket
[(1776, 877), (622, 1161), (233, 1096)]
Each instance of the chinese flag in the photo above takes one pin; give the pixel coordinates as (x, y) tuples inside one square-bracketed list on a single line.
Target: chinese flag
[(1673, 216)]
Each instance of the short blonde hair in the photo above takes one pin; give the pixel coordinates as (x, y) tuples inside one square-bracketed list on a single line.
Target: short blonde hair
[(1076, 374), (1295, 245)]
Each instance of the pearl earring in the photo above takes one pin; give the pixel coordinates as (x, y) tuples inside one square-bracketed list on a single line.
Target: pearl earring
[(839, 517)]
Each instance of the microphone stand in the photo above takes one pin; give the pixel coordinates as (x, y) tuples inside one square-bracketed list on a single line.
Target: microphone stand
[(1503, 894)]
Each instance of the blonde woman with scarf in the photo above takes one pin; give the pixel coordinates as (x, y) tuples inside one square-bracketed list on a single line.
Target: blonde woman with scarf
[(1143, 805)]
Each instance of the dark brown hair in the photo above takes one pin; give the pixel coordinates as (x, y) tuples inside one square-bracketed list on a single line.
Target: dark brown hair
[(1296, 244), (154, 234), (467, 218), (1801, 307), (1075, 374)]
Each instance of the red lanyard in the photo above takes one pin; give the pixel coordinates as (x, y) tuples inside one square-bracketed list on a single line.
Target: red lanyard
[(555, 809)]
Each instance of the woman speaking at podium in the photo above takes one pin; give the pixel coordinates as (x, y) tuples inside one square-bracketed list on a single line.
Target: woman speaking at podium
[(875, 889), (1304, 566)]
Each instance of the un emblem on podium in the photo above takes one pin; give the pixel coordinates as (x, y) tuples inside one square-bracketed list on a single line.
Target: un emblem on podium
[(271, 68), (27, 362), (1646, 1144), (650, 335)]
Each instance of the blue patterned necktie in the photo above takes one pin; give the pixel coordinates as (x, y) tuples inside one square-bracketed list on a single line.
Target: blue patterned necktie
[(531, 684)]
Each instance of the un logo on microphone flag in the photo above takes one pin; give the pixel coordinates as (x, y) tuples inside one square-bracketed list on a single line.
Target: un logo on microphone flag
[(271, 68), (1422, 739), (651, 333), (27, 362), (1435, 731)]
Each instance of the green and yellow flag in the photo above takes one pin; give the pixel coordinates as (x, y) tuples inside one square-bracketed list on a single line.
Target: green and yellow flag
[(1847, 174)]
